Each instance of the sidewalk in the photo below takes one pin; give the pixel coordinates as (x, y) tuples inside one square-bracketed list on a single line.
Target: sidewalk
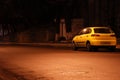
[(44, 44), (47, 44)]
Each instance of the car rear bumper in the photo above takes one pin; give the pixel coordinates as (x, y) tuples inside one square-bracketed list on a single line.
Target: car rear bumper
[(103, 43)]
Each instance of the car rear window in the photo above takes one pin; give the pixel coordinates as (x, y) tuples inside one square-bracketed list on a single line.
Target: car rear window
[(102, 30)]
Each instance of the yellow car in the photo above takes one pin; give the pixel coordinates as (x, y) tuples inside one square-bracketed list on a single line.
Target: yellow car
[(95, 37)]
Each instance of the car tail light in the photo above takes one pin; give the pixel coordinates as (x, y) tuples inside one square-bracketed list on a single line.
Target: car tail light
[(95, 35), (113, 35)]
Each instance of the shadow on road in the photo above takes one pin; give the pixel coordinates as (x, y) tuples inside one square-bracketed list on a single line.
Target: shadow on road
[(117, 50), (101, 50)]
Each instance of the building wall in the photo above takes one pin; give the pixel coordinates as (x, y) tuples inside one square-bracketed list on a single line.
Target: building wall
[(77, 25), (36, 35)]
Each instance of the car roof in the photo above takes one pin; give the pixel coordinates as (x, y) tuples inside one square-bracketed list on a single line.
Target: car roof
[(97, 27)]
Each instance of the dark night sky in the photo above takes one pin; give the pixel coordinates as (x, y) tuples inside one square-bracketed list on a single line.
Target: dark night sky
[(43, 10), (33, 12), (36, 9)]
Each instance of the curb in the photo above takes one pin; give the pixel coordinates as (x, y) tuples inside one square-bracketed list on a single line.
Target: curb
[(62, 45)]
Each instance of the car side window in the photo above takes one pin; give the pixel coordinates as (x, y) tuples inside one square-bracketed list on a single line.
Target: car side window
[(88, 31), (85, 31)]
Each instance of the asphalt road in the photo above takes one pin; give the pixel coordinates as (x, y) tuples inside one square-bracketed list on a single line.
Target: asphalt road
[(37, 63)]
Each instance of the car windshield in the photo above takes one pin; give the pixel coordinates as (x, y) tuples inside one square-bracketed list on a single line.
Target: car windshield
[(102, 30)]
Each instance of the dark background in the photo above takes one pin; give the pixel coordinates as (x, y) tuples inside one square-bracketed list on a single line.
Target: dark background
[(32, 13)]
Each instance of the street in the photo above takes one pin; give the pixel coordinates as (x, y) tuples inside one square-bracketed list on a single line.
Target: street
[(47, 63)]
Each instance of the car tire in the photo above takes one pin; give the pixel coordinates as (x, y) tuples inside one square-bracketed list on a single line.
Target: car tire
[(74, 47), (88, 46)]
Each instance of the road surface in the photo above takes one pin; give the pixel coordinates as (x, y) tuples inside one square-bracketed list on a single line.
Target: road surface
[(36, 63)]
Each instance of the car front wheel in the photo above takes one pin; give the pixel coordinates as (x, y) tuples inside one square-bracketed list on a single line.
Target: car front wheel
[(74, 46), (88, 46)]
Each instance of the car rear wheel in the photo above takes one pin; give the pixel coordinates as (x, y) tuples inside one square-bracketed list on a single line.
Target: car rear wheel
[(74, 46)]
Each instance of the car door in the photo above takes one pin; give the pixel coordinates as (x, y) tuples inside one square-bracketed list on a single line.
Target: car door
[(81, 38), (84, 37)]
